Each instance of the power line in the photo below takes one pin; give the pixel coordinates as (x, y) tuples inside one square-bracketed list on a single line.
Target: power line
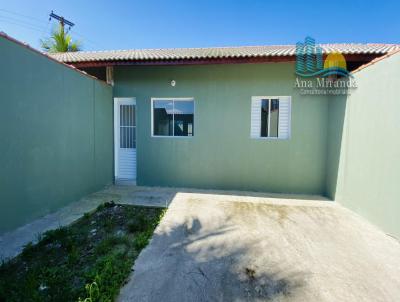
[(83, 37), (22, 15), (36, 24), (22, 25), (45, 31), (23, 22)]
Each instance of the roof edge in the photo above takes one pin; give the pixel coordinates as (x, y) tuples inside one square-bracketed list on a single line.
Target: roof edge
[(206, 61), (183, 62), (225, 47)]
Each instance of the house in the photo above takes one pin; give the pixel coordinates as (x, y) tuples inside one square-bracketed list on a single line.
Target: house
[(233, 118), (224, 140)]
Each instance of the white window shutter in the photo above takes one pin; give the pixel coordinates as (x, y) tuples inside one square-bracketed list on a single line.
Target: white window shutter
[(284, 117), (255, 130)]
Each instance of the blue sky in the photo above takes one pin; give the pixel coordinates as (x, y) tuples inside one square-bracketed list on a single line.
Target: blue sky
[(159, 24)]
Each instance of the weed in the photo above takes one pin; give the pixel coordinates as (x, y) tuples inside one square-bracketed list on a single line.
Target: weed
[(138, 224), (142, 239), (92, 292), (73, 254), (109, 243), (53, 236), (28, 250), (108, 224), (68, 263)]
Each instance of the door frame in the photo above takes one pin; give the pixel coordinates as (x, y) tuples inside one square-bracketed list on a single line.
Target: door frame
[(117, 102)]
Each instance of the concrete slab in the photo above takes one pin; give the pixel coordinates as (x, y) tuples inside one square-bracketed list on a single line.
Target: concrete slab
[(221, 247), (11, 243)]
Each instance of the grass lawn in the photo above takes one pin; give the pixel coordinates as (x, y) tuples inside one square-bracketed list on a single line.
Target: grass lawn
[(90, 258)]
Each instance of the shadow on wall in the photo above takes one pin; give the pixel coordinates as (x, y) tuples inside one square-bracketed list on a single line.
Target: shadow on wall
[(337, 111), (210, 265)]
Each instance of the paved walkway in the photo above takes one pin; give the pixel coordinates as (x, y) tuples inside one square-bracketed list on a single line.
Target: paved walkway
[(213, 247)]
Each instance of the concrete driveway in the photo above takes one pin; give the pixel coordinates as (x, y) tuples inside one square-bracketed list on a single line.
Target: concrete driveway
[(234, 248)]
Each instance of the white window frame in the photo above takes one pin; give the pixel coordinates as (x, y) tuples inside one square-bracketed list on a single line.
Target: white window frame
[(173, 99), (260, 98)]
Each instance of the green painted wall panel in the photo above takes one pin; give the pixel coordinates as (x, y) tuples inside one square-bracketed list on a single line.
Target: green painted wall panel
[(104, 134), (56, 135), (337, 109), (365, 174), (221, 154)]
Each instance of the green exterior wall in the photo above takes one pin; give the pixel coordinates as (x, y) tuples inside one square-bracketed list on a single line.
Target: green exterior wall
[(364, 146), (56, 135), (337, 109), (221, 154)]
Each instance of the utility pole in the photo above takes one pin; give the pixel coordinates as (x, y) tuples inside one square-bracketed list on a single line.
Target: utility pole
[(62, 21)]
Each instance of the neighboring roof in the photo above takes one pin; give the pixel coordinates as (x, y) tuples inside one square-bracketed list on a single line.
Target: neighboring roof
[(216, 53), (22, 44)]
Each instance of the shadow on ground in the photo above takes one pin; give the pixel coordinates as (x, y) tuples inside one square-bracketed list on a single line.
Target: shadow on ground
[(209, 270), (189, 261), (229, 248)]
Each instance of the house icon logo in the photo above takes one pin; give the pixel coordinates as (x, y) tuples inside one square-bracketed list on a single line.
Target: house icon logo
[(310, 63)]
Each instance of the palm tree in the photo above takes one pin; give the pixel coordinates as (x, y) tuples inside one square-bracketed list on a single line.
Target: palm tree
[(60, 41)]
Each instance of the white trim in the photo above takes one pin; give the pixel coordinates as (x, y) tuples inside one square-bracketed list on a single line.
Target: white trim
[(171, 99), (110, 75), (260, 98), (118, 102)]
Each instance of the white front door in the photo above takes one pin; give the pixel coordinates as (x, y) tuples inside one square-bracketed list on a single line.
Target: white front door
[(125, 138)]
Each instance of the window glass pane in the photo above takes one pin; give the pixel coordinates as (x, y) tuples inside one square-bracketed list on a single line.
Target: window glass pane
[(127, 115), (122, 137), (162, 117), (127, 126), (183, 116), (133, 115), (274, 118), (264, 117), (127, 137)]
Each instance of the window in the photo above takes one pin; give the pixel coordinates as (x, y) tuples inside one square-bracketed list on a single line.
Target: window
[(172, 117), (270, 117)]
